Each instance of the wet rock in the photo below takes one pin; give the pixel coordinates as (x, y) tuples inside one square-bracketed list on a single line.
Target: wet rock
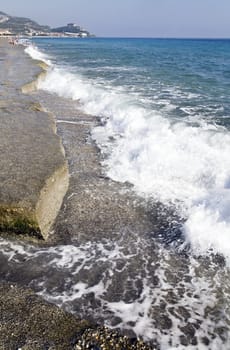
[(33, 171), (205, 341), (189, 335), (222, 333), (162, 320), (183, 312)]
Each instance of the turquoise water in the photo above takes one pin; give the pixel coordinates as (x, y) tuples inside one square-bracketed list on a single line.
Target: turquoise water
[(156, 69), (163, 127), (165, 103)]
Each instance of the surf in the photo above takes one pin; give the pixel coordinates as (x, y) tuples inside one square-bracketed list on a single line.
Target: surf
[(175, 162)]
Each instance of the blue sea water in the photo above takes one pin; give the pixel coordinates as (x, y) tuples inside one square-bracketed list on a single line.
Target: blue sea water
[(155, 69), (164, 111), (165, 103)]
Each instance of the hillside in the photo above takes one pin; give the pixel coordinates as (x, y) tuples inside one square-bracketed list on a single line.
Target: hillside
[(25, 26), (20, 25)]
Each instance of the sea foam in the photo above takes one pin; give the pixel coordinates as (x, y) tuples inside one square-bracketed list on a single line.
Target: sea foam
[(65, 275), (172, 161), (33, 52)]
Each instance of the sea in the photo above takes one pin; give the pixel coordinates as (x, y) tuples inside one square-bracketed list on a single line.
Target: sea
[(164, 128)]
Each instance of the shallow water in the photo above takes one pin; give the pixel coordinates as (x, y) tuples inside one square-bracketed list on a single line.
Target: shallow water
[(140, 255), (132, 283), (165, 114)]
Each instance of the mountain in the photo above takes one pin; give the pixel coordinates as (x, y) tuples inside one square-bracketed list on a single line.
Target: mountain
[(25, 26), (3, 17), (20, 25)]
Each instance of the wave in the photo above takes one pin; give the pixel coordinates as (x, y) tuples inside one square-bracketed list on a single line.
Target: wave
[(172, 161), (33, 52)]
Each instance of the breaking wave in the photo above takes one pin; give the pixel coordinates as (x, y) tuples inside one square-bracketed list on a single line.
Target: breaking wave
[(171, 160)]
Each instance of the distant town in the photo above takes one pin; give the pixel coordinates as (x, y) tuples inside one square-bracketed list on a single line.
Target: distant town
[(20, 26)]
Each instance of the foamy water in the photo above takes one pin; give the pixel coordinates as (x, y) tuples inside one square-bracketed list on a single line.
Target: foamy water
[(33, 52), (184, 163), (173, 145), (158, 308)]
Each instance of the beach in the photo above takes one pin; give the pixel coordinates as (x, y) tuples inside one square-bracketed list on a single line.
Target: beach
[(103, 191), (34, 180)]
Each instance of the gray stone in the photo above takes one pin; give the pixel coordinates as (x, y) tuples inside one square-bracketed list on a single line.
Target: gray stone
[(33, 170)]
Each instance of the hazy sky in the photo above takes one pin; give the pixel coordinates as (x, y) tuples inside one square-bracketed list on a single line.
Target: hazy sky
[(145, 18)]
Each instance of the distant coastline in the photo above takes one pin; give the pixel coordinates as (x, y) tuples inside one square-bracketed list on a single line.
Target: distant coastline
[(20, 26)]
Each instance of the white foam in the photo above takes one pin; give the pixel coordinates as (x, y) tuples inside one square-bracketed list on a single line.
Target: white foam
[(34, 53), (196, 294), (176, 162)]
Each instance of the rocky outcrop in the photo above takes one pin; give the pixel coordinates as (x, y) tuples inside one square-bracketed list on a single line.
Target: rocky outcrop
[(34, 178), (33, 172)]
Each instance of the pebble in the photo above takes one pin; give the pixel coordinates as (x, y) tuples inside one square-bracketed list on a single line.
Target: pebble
[(105, 339)]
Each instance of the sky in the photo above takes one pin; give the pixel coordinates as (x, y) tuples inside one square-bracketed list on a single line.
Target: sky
[(130, 18)]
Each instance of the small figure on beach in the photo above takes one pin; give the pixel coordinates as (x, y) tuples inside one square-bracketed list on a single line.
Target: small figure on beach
[(13, 41)]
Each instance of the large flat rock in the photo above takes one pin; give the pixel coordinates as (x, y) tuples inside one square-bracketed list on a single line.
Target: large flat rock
[(33, 170)]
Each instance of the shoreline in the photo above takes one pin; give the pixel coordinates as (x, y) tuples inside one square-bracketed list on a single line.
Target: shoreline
[(112, 257), (26, 178), (27, 320)]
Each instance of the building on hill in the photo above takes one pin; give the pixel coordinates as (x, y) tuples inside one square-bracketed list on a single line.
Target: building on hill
[(72, 29), (74, 25), (11, 25)]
